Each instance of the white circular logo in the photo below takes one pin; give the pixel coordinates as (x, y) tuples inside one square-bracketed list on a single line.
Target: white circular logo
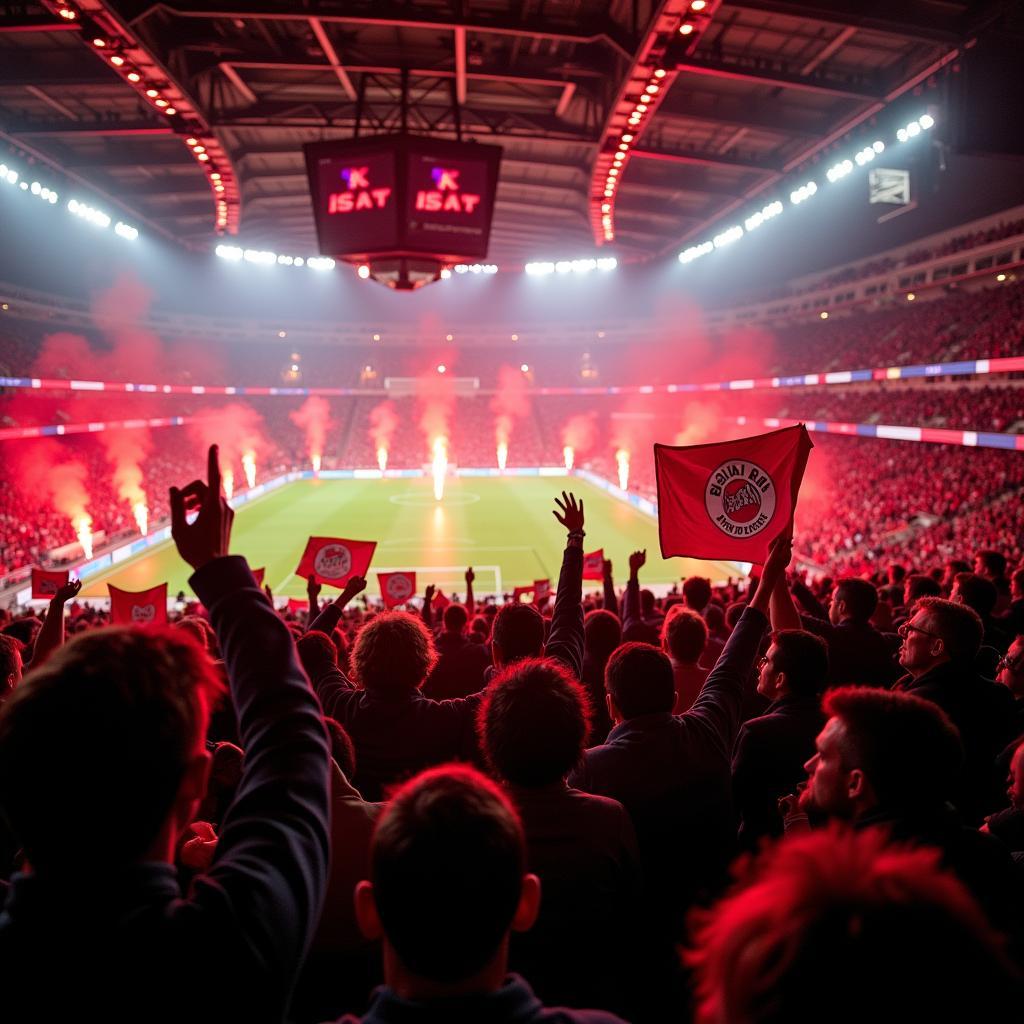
[(143, 612), (333, 561), (740, 498), (399, 587)]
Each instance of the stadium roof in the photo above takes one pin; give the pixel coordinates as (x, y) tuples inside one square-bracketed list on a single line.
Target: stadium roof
[(757, 88)]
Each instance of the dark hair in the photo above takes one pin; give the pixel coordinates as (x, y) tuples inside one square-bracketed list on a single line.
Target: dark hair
[(10, 661), (481, 627), (455, 618), (906, 746), (1017, 580), (646, 603), (804, 658), (602, 633), (994, 562), (519, 632), (23, 630), (198, 627), (343, 751), (103, 732), (977, 592), (393, 654), (533, 722), (316, 652), (959, 626), (684, 634), (834, 912), (639, 678), (918, 585), (447, 863), (714, 617), (897, 572), (733, 613), (697, 591), (859, 596)]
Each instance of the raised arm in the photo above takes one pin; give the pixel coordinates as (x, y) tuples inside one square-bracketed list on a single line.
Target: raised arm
[(51, 633), (611, 602), (328, 619), (313, 589), (783, 611), (267, 882), (631, 600), (719, 703), (565, 641), (427, 611), (470, 603)]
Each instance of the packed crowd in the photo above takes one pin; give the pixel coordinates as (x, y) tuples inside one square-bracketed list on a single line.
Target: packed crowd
[(487, 811)]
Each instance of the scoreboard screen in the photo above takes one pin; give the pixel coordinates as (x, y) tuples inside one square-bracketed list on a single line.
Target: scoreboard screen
[(403, 195)]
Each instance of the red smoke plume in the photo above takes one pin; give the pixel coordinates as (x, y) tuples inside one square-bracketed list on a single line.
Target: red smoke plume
[(512, 402), (314, 417), (580, 432), (383, 424)]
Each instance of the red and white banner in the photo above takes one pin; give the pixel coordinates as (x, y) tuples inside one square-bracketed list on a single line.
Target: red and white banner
[(334, 561), (541, 591), (730, 499), (46, 583), (296, 605), (138, 608), (593, 565), (521, 592), (396, 587)]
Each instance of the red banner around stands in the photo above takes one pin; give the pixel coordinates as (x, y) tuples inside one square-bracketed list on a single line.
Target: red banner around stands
[(259, 574), (730, 499), (593, 565), (335, 561), (46, 582), (521, 592), (541, 591), (396, 587), (138, 608)]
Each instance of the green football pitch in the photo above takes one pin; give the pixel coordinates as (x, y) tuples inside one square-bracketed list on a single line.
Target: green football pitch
[(503, 527)]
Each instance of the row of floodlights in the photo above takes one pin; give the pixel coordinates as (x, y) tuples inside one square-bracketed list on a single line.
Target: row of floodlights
[(264, 257), (584, 266), (799, 195), (10, 176)]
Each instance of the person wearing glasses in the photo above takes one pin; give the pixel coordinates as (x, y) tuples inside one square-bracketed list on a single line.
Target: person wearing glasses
[(940, 645)]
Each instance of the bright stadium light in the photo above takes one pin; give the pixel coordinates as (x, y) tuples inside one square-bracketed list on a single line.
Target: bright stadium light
[(766, 213), (839, 170), (696, 251), (229, 252), (926, 121), (126, 231), (727, 237), (803, 193)]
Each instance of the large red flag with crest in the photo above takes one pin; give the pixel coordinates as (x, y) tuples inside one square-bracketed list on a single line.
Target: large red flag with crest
[(593, 565), (138, 608), (335, 561), (730, 499), (396, 587), (46, 583)]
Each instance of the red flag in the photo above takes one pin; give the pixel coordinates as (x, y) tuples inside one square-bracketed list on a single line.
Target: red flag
[(296, 605), (520, 592), (335, 561), (46, 582), (541, 591), (593, 565), (440, 601), (259, 574), (729, 499), (138, 608), (396, 587)]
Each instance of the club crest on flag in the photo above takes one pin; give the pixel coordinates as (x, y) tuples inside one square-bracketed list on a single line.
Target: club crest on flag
[(333, 561), (143, 613), (740, 498), (398, 586)]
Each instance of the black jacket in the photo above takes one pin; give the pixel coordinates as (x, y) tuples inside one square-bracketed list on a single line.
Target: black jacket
[(128, 945)]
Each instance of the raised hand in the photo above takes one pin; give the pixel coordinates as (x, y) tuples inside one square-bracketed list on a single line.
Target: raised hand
[(67, 592), (572, 513), (780, 551), (428, 594), (470, 575), (313, 589), (209, 536), (606, 568), (355, 585), (637, 560)]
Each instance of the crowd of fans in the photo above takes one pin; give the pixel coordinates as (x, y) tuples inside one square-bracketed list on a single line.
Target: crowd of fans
[(485, 810)]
